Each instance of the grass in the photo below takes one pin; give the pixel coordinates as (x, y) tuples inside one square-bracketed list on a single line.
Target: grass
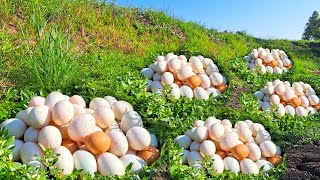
[(95, 49)]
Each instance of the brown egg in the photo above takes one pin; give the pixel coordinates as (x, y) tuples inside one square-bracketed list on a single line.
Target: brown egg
[(317, 107), (217, 143), (149, 155), (283, 103), (222, 88), (274, 63), (178, 82), (295, 102), (194, 81), (240, 151), (289, 67), (72, 146), (275, 160), (221, 153), (97, 142)]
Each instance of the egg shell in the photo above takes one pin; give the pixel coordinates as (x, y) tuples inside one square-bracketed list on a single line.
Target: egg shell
[(240, 151), (78, 110), (312, 110), (194, 158), (290, 110), (184, 73), (198, 123), (231, 164), (65, 160), (76, 99), (185, 154), (229, 140), (138, 138), (168, 57), (15, 127), (138, 163), (97, 142), (254, 151), (247, 58), (195, 146), (304, 101), (266, 98), (174, 65), (266, 165), (29, 151), (268, 148), (18, 144), (81, 126), (212, 68), (111, 99), (216, 79), (313, 100), (85, 160), (200, 93), (160, 67), (259, 95), (266, 106), (62, 112), (206, 62), (129, 120), (274, 99), (167, 78), (193, 81), (175, 91), (149, 155), (310, 91), (213, 92), (280, 110), (289, 94), (210, 120), (186, 91), (119, 143), (207, 147), (53, 98), (270, 90), (255, 128), (98, 102), (197, 66), (114, 126), (244, 134), (36, 101), (182, 58), (216, 131), (247, 166), (50, 136), (72, 146), (109, 164), (24, 116), (104, 116), (121, 107), (217, 165), (31, 135), (295, 102), (200, 134), (275, 160), (40, 116), (156, 87), (263, 135), (240, 124), (300, 111), (227, 123), (147, 73)]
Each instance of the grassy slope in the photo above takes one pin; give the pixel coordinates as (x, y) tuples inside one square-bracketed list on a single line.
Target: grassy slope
[(101, 48)]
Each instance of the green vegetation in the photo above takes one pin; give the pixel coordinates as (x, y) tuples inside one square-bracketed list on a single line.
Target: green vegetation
[(96, 49), (312, 29)]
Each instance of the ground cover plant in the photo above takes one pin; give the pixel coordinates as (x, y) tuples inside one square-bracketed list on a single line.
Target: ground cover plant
[(95, 49)]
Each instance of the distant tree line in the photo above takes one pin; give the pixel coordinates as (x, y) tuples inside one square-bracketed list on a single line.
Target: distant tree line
[(312, 28)]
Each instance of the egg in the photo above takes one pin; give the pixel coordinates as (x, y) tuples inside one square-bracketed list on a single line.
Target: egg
[(76, 99), (53, 98), (81, 126), (288, 95), (200, 93), (216, 131), (269, 69), (40, 116), (290, 110), (263, 135), (259, 95), (222, 88), (268, 148), (314, 100), (231, 164), (15, 127), (175, 91), (111, 99), (147, 73), (247, 166), (104, 116), (121, 107), (312, 110), (241, 124), (228, 141), (184, 159), (36, 163), (216, 78), (244, 134), (29, 151), (109, 164), (265, 164), (85, 161), (174, 65), (221, 153), (167, 78), (72, 146), (168, 57), (184, 73), (300, 111), (295, 102), (119, 143), (213, 92), (212, 68), (266, 98), (137, 163), (78, 110), (62, 112), (266, 106), (207, 147), (98, 102), (206, 62), (217, 165), (193, 81), (227, 123), (304, 101), (210, 120), (89, 111), (274, 99), (254, 151), (18, 144), (156, 87), (65, 160), (160, 67), (197, 66), (97, 142), (186, 91), (129, 120), (194, 158), (131, 151), (275, 160), (31, 135), (240, 151), (36, 101), (50, 136), (138, 138), (156, 77), (255, 128), (200, 134), (24, 115), (149, 155)]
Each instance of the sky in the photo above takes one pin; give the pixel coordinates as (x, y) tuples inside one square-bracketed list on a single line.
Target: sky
[(269, 19)]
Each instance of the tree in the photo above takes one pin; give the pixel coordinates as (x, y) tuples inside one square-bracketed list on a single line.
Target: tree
[(312, 28)]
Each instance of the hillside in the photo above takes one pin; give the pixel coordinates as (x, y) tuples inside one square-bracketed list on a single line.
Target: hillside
[(95, 49)]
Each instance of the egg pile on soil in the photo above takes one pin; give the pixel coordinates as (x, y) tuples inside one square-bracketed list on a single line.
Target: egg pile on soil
[(106, 137), (265, 61), (298, 99), (244, 148), (197, 77)]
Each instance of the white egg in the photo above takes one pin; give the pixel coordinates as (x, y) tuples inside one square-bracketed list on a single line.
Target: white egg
[(229, 140), (304, 101), (205, 81), (254, 151), (290, 110), (301, 112), (247, 58), (62, 112), (138, 138), (156, 77), (111, 99), (18, 144), (185, 156), (167, 78), (263, 135), (154, 141), (40, 116), (104, 116), (226, 123), (186, 91), (299, 91), (217, 164), (268, 148), (168, 57), (15, 127), (65, 160), (197, 66), (119, 143), (148, 88), (121, 107), (175, 91), (313, 99), (53, 98), (183, 141), (281, 111), (274, 99), (194, 158), (277, 70), (212, 68), (216, 79), (266, 165), (182, 58), (210, 120), (269, 69), (231, 164), (160, 67), (138, 163), (198, 123), (109, 164), (200, 93), (266, 98), (98, 102), (200, 134), (174, 65), (206, 62), (255, 128), (241, 124), (36, 101), (310, 91), (216, 131), (50, 136), (156, 87), (259, 95), (244, 134), (76, 99), (207, 147), (311, 110), (184, 72), (266, 106), (270, 90), (247, 166), (81, 126), (84, 160), (29, 151), (195, 146), (147, 73), (31, 135), (129, 120), (213, 92)]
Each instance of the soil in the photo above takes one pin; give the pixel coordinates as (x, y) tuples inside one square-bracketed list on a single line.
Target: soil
[(234, 98), (303, 162)]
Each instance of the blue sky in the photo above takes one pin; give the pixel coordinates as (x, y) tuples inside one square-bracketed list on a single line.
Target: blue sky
[(283, 19)]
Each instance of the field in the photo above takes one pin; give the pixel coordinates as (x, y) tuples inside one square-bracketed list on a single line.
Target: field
[(95, 49)]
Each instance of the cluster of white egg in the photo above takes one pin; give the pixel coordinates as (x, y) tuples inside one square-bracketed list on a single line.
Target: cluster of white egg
[(298, 99), (199, 77), (264, 61), (106, 137), (246, 147)]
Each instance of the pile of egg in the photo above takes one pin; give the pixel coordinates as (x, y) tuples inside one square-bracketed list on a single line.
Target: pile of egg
[(297, 99), (106, 137), (244, 148), (264, 61), (199, 77)]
